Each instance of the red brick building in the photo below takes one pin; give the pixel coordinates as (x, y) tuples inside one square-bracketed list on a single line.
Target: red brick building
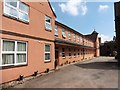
[(31, 40)]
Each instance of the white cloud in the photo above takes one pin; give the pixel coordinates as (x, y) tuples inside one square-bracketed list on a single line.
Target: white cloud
[(74, 7), (105, 38), (103, 8)]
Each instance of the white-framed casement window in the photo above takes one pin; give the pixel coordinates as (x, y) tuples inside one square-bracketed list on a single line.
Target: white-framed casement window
[(69, 36), (69, 52), (16, 9), (13, 52), (74, 52), (63, 33), (48, 23), (47, 52), (74, 37), (56, 30), (63, 52)]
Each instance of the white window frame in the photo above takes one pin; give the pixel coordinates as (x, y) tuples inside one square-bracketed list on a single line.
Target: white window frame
[(74, 37), (50, 29), (69, 35), (47, 52), (56, 30), (63, 33), (13, 52), (17, 9)]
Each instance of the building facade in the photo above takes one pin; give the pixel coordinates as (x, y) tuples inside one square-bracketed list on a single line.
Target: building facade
[(117, 28), (32, 41), (108, 48)]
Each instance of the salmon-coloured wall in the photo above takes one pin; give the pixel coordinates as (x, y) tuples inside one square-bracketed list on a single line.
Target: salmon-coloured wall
[(35, 57), (36, 26), (83, 54), (63, 60), (87, 41), (66, 32)]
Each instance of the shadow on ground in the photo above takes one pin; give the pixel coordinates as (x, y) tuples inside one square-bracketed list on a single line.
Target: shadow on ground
[(106, 65)]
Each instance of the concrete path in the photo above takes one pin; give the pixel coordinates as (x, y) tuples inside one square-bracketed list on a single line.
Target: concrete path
[(100, 72)]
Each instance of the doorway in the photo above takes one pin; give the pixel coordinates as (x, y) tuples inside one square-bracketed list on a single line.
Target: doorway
[(56, 57)]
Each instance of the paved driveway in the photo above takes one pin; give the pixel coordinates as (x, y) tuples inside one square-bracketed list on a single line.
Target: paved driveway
[(100, 72)]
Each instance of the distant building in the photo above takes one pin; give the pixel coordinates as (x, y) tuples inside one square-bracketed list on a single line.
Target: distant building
[(108, 48), (117, 27)]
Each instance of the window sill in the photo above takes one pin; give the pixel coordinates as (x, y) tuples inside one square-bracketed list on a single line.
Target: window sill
[(64, 36), (47, 29), (63, 57), (56, 35), (14, 18), (47, 61), (12, 66)]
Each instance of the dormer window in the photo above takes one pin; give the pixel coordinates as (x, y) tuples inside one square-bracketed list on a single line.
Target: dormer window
[(63, 33), (48, 25)]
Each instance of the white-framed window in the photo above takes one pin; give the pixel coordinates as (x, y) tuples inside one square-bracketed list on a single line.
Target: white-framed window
[(74, 37), (69, 36), (69, 52), (16, 9), (47, 52), (56, 30), (13, 52), (48, 23), (63, 32), (63, 52), (79, 39), (74, 52)]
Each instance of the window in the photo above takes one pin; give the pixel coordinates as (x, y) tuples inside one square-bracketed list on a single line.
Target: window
[(74, 52), (78, 38), (56, 30), (69, 52), (74, 37), (48, 23), (47, 52), (81, 40), (63, 33), (69, 36), (63, 52), (16, 9), (13, 52)]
